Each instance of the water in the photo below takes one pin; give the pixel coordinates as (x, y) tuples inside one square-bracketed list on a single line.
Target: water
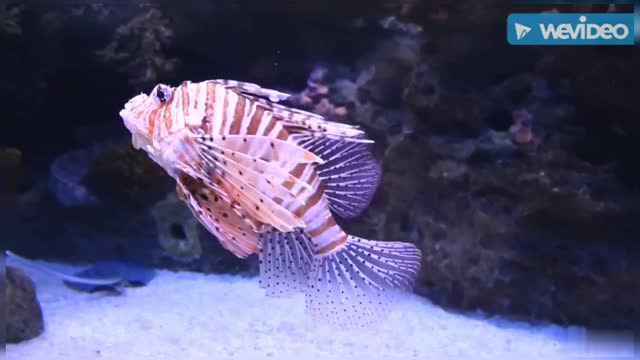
[(509, 168)]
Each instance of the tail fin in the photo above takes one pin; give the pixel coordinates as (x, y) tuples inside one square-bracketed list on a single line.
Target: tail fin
[(355, 286)]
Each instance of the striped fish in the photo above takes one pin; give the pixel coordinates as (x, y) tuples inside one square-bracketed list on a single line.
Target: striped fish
[(268, 179)]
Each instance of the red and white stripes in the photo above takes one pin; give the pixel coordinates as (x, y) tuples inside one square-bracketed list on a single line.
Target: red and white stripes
[(219, 108)]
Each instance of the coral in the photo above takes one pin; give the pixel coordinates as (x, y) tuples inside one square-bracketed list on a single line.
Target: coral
[(56, 18), (139, 46), (475, 12), (178, 230), (10, 18), (608, 77), (186, 244), (483, 175), (423, 89), (316, 95), (123, 176), (68, 171), (447, 169), (520, 131), (373, 93)]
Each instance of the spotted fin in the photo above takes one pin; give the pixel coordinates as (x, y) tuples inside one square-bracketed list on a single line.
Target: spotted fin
[(241, 169), (358, 284), (259, 206), (271, 169), (349, 173), (285, 262), (257, 195), (228, 222)]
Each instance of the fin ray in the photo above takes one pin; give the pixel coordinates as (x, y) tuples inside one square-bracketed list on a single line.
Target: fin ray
[(262, 147), (304, 122), (260, 207), (237, 168), (350, 173), (252, 192), (295, 120), (285, 262), (357, 285), (255, 89), (232, 228)]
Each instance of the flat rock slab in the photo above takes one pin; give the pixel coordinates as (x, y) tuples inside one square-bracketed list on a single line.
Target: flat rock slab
[(132, 275)]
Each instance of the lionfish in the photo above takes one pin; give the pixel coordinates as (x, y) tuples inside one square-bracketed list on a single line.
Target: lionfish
[(268, 179)]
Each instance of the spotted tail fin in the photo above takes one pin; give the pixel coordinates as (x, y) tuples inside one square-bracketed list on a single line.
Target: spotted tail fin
[(357, 285)]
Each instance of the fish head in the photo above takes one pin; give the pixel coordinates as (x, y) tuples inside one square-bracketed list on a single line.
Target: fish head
[(149, 119), (138, 115)]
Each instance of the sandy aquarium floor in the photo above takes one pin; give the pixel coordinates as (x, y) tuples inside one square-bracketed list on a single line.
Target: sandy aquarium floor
[(195, 316)]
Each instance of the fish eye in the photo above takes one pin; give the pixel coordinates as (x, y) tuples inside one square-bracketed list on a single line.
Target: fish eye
[(162, 93)]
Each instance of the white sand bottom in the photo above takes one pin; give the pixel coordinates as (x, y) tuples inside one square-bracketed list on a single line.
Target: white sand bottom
[(195, 316)]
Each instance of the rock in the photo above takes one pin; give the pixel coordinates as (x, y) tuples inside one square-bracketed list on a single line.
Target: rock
[(24, 315), (68, 171), (178, 229), (124, 177), (447, 169), (186, 244)]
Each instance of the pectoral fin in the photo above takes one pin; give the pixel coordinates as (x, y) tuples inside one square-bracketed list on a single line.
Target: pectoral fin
[(236, 231)]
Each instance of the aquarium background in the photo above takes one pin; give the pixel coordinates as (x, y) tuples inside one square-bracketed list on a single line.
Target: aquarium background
[(513, 169)]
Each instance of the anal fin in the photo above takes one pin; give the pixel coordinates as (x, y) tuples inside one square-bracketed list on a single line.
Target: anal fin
[(285, 262)]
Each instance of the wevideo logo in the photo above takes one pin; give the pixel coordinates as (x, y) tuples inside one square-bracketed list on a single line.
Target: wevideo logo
[(571, 29)]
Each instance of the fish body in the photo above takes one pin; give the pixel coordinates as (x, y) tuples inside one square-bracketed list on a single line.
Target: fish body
[(270, 179)]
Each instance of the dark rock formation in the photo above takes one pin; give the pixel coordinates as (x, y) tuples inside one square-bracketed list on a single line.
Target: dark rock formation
[(11, 170), (125, 177), (24, 315), (491, 175)]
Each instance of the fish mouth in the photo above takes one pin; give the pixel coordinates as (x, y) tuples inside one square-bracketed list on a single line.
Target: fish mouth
[(126, 116), (126, 113)]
